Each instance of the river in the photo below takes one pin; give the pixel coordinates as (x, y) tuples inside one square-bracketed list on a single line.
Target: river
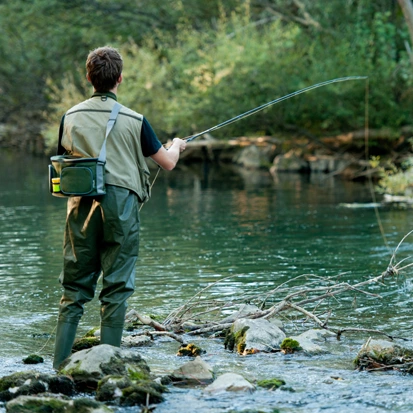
[(248, 228)]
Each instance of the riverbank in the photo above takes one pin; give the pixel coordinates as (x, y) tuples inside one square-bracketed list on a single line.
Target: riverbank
[(346, 155), (325, 382), (343, 155)]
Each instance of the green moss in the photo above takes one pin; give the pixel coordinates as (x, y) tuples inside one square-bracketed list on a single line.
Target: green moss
[(140, 393), (290, 345), (270, 384), (240, 338), (85, 343), (84, 405), (190, 350), (137, 375), (14, 380), (75, 372), (117, 367), (91, 333), (236, 340), (40, 405), (229, 341), (33, 359)]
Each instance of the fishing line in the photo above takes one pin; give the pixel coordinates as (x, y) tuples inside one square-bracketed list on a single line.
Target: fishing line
[(262, 107), (273, 102), (367, 156)]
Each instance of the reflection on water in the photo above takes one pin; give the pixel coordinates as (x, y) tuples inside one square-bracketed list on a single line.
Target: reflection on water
[(202, 225)]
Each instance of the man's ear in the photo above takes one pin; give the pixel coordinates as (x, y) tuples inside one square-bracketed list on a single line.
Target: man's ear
[(120, 79), (88, 77)]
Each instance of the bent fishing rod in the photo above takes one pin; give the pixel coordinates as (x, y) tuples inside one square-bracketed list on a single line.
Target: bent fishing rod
[(262, 107), (273, 102)]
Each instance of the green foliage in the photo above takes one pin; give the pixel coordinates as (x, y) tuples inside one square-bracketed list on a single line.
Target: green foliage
[(395, 180), (190, 65)]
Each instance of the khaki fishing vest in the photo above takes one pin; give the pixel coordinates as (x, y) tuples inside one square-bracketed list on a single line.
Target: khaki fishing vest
[(84, 133)]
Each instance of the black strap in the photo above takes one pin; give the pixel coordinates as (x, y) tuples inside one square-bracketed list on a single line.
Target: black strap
[(60, 149)]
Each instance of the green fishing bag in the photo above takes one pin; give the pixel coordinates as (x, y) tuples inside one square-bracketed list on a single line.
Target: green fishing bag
[(75, 176)]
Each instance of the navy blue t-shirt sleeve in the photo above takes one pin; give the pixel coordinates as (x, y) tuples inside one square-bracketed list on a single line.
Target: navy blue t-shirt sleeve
[(149, 141)]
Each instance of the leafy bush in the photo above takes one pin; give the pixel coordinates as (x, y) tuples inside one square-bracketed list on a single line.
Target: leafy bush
[(201, 76)]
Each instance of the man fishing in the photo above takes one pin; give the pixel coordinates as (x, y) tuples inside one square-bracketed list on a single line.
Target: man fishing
[(102, 233)]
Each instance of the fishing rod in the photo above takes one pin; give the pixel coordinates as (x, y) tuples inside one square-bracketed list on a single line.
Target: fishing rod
[(273, 102), (261, 107)]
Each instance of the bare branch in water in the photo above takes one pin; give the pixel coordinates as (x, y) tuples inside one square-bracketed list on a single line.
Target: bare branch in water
[(287, 297)]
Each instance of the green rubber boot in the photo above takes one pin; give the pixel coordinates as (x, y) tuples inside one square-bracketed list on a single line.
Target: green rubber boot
[(65, 337), (111, 335)]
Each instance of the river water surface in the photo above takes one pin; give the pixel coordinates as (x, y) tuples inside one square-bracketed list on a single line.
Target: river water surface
[(251, 230)]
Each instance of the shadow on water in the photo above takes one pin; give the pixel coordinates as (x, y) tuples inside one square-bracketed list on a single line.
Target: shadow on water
[(205, 223)]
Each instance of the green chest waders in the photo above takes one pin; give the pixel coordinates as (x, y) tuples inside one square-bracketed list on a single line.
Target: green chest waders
[(76, 294)]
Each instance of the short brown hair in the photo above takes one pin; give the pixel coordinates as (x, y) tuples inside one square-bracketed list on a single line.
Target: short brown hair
[(104, 66)]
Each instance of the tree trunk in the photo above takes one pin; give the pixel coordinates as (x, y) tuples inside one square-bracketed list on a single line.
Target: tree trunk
[(407, 8)]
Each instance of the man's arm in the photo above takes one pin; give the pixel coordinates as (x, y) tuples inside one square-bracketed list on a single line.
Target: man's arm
[(167, 159)]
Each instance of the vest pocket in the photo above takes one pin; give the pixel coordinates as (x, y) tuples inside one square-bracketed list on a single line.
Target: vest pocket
[(145, 185)]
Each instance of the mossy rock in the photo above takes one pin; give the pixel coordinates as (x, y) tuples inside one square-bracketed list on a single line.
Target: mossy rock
[(382, 354), (236, 340), (33, 359), (271, 384), (85, 343), (31, 404), (190, 350), (141, 393), (289, 346), (31, 382), (88, 367), (107, 389), (127, 392)]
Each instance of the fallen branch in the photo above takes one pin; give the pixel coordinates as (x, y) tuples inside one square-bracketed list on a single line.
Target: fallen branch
[(296, 298), (167, 333), (211, 329), (146, 320), (339, 332)]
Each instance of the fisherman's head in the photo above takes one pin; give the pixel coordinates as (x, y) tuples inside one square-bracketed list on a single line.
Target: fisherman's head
[(104, 68)]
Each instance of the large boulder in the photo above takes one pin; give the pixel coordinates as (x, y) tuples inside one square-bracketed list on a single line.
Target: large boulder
[(88, 367), (310, 341), (289, 162), (55, 404), (32, 382), (194, 372), (249, 157), (252, 336), (230, 382)]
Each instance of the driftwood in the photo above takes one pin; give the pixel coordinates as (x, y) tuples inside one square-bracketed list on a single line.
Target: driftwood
[(308, 294)]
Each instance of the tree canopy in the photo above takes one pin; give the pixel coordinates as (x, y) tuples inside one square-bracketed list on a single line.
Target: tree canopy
[(192, 64)]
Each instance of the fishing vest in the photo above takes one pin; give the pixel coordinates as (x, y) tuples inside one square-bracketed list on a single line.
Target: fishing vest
[(84, 133)]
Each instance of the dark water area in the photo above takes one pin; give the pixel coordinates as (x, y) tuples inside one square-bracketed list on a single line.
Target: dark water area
[(249, 229)]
